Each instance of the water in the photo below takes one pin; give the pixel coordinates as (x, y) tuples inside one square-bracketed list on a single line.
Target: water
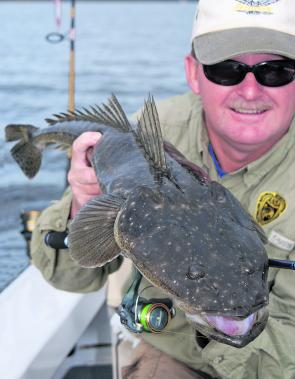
[(129, 49)]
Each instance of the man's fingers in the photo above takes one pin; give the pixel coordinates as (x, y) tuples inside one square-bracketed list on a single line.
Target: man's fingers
[(86, 140), (81, 145), (84, 175), (89, 154), (86, 190), (81, 177)]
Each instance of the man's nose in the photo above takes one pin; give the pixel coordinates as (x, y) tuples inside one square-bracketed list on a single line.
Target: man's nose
[(249, 88)]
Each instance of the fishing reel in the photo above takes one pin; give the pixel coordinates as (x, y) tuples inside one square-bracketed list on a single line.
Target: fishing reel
[(141, 315), (28, 219)]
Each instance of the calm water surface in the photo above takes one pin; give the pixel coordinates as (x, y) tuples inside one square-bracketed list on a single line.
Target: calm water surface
[(129, 49)]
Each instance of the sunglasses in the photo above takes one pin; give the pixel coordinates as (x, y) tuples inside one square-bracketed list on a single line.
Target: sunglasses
[(270, 73)]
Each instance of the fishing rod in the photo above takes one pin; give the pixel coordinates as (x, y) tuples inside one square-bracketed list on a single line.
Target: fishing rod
[(72, 37), (57, 37), (59, 240), (280, 263), (29, 217)]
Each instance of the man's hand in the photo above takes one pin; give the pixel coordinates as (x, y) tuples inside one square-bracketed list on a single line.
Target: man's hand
[(81, 175)]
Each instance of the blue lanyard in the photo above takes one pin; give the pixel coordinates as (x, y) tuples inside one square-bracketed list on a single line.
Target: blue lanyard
[(219, 170)]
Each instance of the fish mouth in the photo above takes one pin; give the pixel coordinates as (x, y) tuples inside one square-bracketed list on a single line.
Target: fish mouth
[(234, 331)]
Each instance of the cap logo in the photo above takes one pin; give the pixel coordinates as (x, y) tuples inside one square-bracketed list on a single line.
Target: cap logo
[(255, 6), (270, 205)]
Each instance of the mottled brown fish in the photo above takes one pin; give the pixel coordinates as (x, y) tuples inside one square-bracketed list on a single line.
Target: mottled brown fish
[(186, 234)]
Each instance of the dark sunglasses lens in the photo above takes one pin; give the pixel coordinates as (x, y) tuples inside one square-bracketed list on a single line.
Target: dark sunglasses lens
[(275, 73), (227, 73)]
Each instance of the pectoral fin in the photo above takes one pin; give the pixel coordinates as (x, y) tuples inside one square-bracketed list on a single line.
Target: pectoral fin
[(91, 236)]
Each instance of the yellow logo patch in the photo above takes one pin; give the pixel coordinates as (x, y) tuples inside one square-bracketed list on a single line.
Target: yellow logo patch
[(255, 6), (270, 205)]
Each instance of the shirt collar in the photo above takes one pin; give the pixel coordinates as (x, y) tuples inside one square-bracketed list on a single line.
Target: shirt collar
[(218, 168)]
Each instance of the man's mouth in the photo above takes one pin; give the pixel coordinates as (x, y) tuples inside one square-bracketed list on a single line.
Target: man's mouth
[(250, 111), (249, 108)]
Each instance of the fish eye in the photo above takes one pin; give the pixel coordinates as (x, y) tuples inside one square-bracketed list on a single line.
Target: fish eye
[(248, 270), (195, 273)]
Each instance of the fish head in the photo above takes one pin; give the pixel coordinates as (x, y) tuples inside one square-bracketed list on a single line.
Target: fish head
[(229, 300), (215, 270)]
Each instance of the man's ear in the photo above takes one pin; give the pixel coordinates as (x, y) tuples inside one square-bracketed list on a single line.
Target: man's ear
[(191, 70)]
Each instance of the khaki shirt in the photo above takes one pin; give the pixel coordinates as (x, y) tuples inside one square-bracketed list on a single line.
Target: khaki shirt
[(270, 355)]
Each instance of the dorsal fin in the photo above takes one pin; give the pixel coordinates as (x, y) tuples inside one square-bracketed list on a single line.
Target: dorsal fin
[(110, 114), (149, 134), (192, 168)]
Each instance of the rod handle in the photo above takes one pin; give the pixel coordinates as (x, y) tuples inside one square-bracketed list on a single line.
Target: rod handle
[(56, 240)]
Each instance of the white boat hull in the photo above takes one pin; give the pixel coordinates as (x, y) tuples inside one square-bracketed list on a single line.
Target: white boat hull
[(40, 325)]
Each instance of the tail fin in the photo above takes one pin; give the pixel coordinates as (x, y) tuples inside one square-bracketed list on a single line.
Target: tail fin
[(14, 132), (25, 153)]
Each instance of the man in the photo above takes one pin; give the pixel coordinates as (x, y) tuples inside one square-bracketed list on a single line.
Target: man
[(236, 124)]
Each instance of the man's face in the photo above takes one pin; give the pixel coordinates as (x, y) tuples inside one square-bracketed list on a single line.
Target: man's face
[(247, 114)]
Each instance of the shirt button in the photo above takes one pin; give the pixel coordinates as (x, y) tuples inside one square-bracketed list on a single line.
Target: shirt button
[(218, 359), (59, 223)]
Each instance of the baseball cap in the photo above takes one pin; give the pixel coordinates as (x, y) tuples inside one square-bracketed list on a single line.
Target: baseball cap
[(225, 28)]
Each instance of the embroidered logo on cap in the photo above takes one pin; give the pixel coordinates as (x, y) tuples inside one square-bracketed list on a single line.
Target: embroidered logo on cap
[(270, 205), (255, 6)]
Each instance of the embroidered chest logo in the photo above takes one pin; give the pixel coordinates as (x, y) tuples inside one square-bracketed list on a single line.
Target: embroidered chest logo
[(270, 205), (255, 6)]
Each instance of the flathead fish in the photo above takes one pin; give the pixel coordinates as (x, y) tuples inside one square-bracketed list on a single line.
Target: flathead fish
[(186, 234)]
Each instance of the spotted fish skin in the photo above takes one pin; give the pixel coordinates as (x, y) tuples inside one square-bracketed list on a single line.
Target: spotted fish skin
[(187, 234)]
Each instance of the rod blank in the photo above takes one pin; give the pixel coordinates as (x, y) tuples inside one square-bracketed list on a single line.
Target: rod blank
[(279, 263)]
